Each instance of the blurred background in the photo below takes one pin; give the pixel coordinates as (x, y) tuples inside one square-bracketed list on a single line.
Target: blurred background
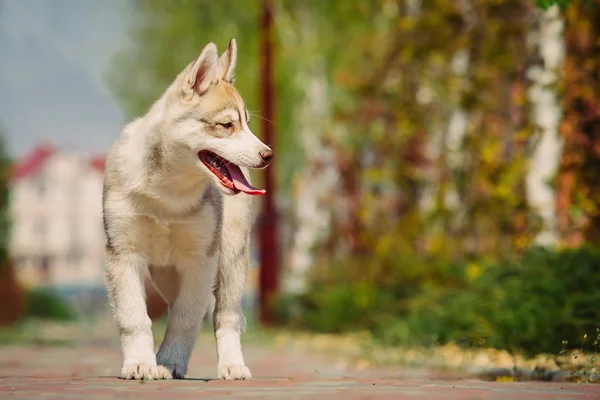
[(436, 162)]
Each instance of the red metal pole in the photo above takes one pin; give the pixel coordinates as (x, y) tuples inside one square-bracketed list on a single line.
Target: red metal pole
[(269, 246)]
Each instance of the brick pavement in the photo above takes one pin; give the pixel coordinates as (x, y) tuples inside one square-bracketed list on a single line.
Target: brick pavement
[(88, 370)]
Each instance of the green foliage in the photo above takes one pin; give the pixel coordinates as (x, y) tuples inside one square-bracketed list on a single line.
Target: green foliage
[(166, 36), (578, 195), (545, 4), (366, 293), (399, 89), (544, 301), (5, 171), (47, 304), (534, 305)]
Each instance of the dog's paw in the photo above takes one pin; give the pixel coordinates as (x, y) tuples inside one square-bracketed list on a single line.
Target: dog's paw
[(164, 372), (230, 372), (174, 371), (140, 371)]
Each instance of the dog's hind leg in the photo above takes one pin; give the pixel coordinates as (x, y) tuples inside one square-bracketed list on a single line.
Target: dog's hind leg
[(185, 316)]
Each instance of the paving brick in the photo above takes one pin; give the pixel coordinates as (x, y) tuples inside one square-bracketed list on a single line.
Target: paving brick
[(88, 370)]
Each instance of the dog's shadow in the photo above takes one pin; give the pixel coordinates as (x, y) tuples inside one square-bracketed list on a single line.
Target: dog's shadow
[(189, 379), (156, 380), (197, 379), (165, 380)]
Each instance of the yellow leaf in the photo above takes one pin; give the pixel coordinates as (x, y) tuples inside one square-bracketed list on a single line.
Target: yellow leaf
[(473, 271)]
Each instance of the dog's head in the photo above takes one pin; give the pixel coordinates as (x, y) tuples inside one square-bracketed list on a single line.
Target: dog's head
[(207, 118)]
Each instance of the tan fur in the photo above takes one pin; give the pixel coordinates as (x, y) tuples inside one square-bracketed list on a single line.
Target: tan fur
[(164, 211)]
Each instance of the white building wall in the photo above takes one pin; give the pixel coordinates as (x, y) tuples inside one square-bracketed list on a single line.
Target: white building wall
[(57, 215)]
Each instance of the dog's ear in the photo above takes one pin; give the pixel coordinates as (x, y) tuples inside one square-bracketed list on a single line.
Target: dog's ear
[(203, 72), (227, 62)]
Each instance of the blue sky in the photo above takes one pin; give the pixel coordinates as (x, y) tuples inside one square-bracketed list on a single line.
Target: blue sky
[(53, 58)]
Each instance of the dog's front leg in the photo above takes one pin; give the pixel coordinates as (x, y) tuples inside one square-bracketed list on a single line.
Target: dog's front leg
[(125, 278), (228, 320)]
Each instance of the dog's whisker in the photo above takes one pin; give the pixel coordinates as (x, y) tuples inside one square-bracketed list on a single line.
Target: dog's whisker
[(258, 116)]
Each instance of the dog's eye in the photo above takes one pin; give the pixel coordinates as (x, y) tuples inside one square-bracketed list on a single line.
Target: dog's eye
[(227, 125)]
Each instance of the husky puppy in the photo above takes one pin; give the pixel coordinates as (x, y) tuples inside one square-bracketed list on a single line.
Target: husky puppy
[(176, 203)]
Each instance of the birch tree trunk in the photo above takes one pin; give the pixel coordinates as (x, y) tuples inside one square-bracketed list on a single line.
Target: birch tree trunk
[(546, 110)]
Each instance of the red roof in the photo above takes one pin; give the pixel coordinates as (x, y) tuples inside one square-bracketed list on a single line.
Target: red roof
[(34, 161), (98, 162)]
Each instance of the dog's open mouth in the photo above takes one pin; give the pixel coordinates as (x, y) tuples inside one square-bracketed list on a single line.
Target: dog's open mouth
[(228, 173)]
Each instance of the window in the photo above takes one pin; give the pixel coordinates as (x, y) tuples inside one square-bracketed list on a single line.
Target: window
[(46, 263), (40, 227), (74, 255), (40, 185)]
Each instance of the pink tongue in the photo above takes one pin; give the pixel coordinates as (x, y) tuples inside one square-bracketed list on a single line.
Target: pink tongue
[(240, 182)]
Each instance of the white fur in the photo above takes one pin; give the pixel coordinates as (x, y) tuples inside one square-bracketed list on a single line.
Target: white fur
[(165, 211)]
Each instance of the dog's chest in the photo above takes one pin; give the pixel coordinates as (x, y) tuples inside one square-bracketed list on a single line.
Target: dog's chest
[(179, 243)]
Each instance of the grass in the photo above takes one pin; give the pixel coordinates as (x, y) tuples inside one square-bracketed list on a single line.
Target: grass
[(362, 351), (32, 332)]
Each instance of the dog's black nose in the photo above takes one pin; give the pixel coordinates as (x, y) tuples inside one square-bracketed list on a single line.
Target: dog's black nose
[(266, 155)]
